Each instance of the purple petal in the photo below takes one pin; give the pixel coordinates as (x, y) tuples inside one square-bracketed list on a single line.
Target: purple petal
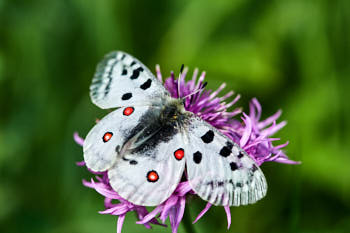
[(247, 131), (207, 207), (215, 93), (102, 189), (151, 215), (281, 146), (141, 212), (255, 105), (120, 223), (233, 101), (159, 74), (286, 161), (269, 120), (228, 215), (168, 204), (273, 129), (180, 213), (80, 164), (78, 139), (118, 209), (183, 188), (176, 214)]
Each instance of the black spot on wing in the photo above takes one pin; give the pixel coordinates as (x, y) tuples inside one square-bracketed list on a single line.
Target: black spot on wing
[(233, 166), (225, 151), (208, 137), (254, 168), (133, 162), (136, 73), (146, 84), (124, 72), (126, 96), (240, 155), (133, 63), (211, 184), (197, 157), (229, 145)]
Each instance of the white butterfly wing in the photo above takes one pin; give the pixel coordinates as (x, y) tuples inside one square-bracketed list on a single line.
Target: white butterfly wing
[(218, 170), (149, 176), (122, 80), (107, 137)]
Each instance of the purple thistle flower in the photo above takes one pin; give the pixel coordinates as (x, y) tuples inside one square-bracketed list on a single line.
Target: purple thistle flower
[(252, 134)]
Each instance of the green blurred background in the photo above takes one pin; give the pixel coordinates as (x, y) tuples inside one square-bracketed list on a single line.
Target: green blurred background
[(290, 54)]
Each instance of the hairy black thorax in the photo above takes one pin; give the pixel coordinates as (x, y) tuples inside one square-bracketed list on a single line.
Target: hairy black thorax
[(157, 125)]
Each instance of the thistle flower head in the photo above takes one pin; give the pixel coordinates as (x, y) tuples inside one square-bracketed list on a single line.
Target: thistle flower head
[(246, 129)]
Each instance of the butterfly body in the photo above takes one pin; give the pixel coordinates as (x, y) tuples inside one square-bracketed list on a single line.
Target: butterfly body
[(146, 144), (158, 124)]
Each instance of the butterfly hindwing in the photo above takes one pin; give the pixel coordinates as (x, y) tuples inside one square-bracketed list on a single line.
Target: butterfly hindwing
[(122, 80), (148, 176), (218, 170), (107, 137)]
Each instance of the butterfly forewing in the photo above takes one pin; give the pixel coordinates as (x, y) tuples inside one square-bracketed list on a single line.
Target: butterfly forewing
[(122, 80), (218, 170), (148, 176)]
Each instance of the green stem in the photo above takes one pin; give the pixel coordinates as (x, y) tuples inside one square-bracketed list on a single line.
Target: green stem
[(187, 222)]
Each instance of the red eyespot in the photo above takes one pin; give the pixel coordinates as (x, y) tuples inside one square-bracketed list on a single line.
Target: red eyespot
[(107, 136), (128, 111), (179, 154), (152, 176)]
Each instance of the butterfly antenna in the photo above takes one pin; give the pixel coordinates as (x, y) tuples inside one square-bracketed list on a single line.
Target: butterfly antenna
[(179, 82)]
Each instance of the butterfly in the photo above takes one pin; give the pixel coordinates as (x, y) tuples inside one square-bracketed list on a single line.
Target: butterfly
[(150, 142)]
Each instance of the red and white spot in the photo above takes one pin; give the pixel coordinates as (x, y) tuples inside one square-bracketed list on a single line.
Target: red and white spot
[(152, 176), (179, 154), (128, 111), (107, 136)]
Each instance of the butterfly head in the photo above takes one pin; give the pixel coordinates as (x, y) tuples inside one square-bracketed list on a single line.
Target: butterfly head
[(174, 109)]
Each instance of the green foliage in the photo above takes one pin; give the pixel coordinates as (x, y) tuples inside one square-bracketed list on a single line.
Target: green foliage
[(290, 54)]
